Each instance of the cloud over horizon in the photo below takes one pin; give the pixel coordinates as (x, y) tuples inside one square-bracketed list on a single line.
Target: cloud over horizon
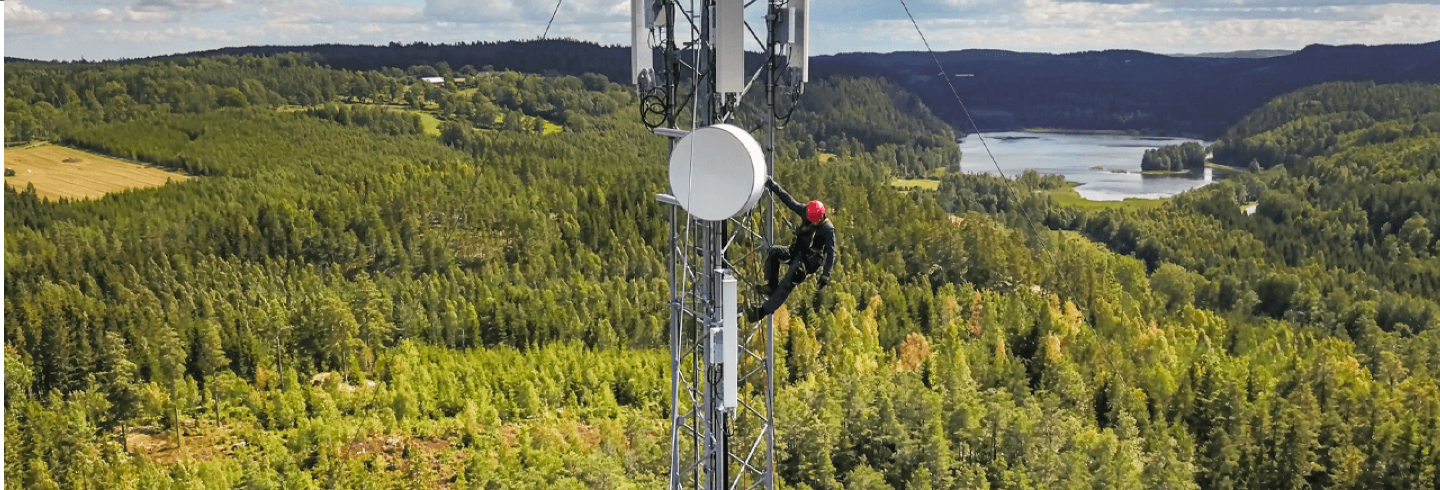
[(110, 29)]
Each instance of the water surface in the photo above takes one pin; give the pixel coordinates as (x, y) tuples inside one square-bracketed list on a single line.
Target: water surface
[(1076, 156)]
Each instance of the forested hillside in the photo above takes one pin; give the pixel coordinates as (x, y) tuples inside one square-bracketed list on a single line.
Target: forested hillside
[(854, 116), (1340, 253), (1128, 90), (1346, 225), (346, 302), (1106, 90), (1327, 119), (558, 56)]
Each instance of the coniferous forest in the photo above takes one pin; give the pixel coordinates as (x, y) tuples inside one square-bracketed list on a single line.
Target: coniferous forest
[(1093, 90), (347, 297)]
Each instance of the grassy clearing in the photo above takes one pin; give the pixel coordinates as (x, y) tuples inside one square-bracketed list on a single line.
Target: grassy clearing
[(60, 172), (925, 184), (427, 121), (826, 157), (1070, 198), (528, 122)]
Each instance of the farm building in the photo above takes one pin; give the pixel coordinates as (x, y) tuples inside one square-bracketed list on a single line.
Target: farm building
[(438, 81)]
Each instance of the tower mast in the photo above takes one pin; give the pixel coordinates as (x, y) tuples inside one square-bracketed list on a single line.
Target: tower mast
[(722, 423)]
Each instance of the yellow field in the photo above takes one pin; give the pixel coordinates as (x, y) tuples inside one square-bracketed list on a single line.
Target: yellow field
[(927, 184), (84, 176)]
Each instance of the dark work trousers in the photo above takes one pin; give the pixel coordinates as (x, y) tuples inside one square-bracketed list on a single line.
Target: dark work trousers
[(795, 275)]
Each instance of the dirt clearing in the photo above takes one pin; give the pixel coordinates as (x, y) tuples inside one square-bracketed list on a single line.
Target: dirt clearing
[(60, 172)]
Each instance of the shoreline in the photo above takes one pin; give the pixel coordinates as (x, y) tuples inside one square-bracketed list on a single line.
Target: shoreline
[(1104, 132), (1112, 132), (1102, 152)]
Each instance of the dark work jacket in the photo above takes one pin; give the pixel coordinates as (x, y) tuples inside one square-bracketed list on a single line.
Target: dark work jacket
[(814, 243)]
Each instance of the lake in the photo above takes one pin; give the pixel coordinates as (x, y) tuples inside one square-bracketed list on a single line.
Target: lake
[(1076, 156)]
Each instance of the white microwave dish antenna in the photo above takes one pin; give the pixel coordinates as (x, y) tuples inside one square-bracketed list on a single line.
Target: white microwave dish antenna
[(717, 172)]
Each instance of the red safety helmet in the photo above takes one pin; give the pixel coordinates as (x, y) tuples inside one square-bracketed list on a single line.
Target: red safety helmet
[(815, 211)]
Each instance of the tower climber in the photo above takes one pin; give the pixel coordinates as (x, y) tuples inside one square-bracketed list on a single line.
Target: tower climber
[(812, 251)]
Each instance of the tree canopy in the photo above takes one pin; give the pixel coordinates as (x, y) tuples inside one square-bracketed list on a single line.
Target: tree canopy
[(342, 301)]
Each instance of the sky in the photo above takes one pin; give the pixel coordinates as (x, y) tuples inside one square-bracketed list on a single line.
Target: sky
[(111, 29)]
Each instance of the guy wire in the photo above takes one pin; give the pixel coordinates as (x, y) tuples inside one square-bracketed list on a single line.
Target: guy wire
[(552, 19), (1054, 265), (973, 126)]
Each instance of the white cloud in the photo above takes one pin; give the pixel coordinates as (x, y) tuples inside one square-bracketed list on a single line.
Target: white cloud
[(1052, 28), (23, 17), (135, 36), (332, 12), (104, 15), (16, 12), (292, 24), (534, 11), (165, 35), (479, 11), (1053, 12), (837, 25), (392, 13), (132, 15), (184, 5)]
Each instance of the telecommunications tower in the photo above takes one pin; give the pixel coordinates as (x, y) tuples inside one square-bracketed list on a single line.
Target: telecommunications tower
[(689, 63)]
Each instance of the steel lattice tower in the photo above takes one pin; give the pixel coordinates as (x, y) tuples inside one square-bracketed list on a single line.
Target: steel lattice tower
[(693, 83)]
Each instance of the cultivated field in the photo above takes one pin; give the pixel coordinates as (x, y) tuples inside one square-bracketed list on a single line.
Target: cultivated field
[(927, 184), (59, 172)]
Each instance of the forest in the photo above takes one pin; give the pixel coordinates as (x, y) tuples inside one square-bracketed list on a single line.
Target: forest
[(1127, 90), (1170, 95), (1174, 158), (343, 300)]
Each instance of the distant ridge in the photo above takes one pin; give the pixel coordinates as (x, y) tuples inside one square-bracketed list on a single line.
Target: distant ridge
[(558, 56), (1197, 95), (1127, 89), (1245, 54)]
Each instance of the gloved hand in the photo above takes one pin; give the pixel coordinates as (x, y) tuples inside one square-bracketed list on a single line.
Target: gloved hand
[(770, 184), (823, 281)]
